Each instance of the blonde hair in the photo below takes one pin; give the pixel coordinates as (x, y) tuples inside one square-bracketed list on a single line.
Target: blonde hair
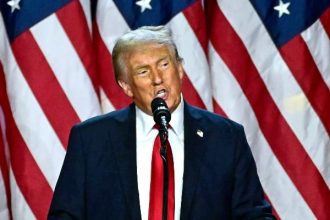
[(140, 36)]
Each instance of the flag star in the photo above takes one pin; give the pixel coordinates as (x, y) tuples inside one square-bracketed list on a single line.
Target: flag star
[(144, 4), (14, 4), (282, 8)]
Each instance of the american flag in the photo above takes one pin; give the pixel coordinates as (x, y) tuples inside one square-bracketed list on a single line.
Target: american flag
[(265, 64)]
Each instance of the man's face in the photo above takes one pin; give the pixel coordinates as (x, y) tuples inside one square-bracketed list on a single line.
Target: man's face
[(152, 71)]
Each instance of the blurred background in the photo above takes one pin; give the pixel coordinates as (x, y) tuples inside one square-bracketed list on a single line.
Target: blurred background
[(262, 63)]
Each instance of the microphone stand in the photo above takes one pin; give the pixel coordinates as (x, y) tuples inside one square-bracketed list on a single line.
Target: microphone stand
[(163, 133)]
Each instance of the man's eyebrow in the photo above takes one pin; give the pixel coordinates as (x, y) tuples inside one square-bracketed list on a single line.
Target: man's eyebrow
[(163, 58), (146, 65), (141, 66)]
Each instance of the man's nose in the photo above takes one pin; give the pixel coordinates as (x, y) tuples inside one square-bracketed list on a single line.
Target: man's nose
[(156, 77)]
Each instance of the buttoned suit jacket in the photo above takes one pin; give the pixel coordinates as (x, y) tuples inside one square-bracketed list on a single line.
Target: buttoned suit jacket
[(98, 179)]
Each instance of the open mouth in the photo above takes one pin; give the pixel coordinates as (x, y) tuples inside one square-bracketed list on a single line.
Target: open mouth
[(161, 94)]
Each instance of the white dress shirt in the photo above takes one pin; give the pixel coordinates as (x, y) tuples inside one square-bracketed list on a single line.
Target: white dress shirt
[(145, 137)]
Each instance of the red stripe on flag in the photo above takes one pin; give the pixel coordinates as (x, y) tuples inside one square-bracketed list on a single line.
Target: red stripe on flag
[(75, 25), (305, 71), (293, 156), (190, 94), (44, 85), (197, 21), (3, 160), (107, 77), (29, 177), (325, 20)]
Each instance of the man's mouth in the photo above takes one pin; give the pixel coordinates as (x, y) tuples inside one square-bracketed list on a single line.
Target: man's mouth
[(161, 94)]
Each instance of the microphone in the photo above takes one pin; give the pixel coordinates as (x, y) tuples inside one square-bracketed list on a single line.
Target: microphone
[(162, 115)]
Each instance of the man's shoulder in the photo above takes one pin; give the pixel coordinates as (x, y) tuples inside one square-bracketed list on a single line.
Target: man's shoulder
[(107, 119)]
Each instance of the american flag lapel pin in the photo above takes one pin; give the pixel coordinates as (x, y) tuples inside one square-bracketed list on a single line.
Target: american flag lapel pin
[(200, 133)]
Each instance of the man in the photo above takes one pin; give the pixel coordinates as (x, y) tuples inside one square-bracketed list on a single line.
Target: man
[(107, 169)]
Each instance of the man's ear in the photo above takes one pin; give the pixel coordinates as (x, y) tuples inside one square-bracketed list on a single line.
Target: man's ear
[(180, 70), (126, 88)]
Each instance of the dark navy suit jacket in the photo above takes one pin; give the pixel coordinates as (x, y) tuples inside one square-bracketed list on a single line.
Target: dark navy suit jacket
[(99, 176)]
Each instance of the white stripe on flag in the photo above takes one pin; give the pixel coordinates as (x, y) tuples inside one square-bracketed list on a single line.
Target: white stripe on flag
[(105, 102), (67, 66), (272, 175), (4, 212), (110, 22), (195, 62), (41, 140), (283, 88), (3, 133), (318, 43)]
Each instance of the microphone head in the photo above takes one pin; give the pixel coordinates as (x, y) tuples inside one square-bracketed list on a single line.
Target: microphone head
[(160, 110)]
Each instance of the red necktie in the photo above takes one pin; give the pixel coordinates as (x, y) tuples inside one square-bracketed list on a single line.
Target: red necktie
[(157, 183)]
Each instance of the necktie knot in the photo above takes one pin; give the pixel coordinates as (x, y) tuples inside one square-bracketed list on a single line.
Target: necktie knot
[(157, 126)]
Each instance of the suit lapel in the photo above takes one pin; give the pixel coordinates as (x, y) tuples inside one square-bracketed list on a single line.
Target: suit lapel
[(125, 152), (194, 148)]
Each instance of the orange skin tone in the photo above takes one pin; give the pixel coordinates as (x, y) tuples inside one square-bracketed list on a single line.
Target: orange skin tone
[(152, 70)]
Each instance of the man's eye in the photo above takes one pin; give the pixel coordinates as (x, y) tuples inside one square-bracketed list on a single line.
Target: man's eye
[(165, 64), (142, 72)]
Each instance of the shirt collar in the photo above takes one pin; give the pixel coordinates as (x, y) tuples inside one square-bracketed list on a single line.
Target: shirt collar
[(146, 122), (177, 119)]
